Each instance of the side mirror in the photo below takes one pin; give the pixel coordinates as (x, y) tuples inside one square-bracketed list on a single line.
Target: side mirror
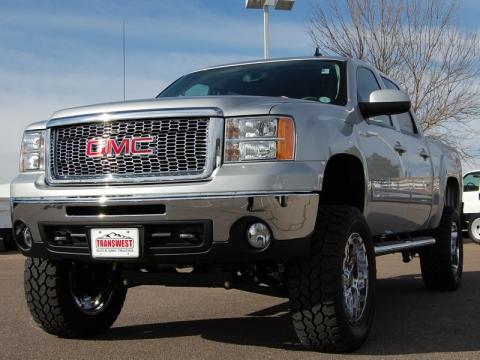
[(385, 102)]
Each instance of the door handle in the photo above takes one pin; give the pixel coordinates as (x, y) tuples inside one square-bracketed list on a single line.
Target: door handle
[(368, 133), (424, 154), (399, 148)]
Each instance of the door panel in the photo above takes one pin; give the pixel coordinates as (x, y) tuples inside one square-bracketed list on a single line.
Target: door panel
[(389, 187), (388, 183), (419, 171)]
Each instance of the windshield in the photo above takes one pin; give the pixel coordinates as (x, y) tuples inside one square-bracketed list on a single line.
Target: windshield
[(316, 80), (471, 182)]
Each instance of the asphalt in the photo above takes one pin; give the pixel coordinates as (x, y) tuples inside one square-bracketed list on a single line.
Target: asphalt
[(188, 323)]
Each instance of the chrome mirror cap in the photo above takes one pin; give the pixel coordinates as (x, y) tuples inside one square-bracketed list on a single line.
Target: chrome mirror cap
[(385, 102)]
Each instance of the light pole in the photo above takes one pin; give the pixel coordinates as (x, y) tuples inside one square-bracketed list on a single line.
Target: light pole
[(265, 5)]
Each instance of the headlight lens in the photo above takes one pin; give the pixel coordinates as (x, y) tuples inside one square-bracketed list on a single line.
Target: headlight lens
[(260, 138), (32, 153)]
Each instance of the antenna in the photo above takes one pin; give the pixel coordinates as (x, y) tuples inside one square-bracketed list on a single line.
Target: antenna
[(123, 60), (317, 52)]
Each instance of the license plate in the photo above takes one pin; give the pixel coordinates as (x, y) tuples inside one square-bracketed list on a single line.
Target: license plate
[(115, 243)]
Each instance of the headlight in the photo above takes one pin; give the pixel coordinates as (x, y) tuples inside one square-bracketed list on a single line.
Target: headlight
[(32, 154), (259, 138)]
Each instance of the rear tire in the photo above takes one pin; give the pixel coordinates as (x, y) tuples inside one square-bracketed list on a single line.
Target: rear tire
[(332, 292), (474, 230), (442, 263), (73, 300)]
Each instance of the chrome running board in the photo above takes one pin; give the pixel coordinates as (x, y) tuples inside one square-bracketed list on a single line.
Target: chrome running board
[(390, 247)]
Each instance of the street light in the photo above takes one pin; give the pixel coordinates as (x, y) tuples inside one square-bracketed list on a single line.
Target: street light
[(265, 5)]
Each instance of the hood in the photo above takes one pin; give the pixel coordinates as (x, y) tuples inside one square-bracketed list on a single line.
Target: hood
[(224, 105)]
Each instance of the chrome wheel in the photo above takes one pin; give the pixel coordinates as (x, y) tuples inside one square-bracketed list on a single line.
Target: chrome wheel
[(455, 247), (92, 304), (91, 288), (355, 278)]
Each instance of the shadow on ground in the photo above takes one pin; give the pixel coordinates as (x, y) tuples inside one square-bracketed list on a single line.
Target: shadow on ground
[(408, 320)]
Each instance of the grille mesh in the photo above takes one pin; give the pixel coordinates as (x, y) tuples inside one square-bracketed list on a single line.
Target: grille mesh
[(179, 148)]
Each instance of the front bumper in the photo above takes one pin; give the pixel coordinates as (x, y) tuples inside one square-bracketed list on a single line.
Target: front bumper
[(222, 220)]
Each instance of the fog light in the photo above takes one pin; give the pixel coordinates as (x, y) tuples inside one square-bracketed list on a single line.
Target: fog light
[(23, 236), (27, 237), (259, 236)]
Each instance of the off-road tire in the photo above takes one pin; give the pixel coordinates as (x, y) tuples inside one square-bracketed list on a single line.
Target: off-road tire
[(316, 284), (50, 301), (436, 260)]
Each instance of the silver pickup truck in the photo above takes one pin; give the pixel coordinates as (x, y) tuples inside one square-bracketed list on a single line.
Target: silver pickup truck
[(290, 174)]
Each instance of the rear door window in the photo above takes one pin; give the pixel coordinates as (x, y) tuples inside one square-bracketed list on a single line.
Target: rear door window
[(406, 123)]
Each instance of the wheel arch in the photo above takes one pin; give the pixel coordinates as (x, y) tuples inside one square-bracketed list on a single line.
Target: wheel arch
[(344, 182), (452, 193)]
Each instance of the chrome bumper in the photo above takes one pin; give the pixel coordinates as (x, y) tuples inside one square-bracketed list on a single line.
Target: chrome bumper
[(289, 215)]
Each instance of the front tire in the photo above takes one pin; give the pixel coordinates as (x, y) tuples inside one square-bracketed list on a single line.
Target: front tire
[(442, 263), (71, 299), (332, 292)]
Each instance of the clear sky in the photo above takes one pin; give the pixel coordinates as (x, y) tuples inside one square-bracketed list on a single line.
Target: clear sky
[(58, 54)]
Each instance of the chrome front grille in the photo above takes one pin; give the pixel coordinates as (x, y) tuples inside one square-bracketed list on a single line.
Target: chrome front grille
[(178, 149)]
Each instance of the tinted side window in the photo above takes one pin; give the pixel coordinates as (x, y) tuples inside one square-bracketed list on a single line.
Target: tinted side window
[(471, 182), (406, 123), (405, 120), (390, 84), (366, 84)]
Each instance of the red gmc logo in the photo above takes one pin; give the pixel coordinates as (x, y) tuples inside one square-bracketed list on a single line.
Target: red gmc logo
[(110, 147)]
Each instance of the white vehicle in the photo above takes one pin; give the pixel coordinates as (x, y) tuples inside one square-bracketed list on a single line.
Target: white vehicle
[(6, 235), (471, 204)]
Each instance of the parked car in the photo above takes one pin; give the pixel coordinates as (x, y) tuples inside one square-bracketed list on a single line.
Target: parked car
[(290, 173), (471, 204)]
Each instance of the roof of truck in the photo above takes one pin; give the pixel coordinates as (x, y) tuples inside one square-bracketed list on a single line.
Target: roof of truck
[(264, 61)]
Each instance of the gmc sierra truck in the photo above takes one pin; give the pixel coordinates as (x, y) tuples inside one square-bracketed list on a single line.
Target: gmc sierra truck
[(289, 174)]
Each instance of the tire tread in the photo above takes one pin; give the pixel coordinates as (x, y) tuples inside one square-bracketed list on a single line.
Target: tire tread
[(435, 261), (46, 301), (313, 284)]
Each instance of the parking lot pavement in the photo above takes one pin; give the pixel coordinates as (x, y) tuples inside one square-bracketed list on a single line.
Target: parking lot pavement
[(187, 323)]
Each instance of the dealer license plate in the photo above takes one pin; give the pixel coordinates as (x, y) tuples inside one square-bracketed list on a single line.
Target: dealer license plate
[(115, 243)]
